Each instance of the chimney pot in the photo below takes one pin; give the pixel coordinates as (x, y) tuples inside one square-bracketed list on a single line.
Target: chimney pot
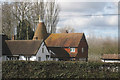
[(66, 31)]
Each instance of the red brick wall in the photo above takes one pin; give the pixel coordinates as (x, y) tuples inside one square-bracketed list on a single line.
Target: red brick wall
[(73, 53)]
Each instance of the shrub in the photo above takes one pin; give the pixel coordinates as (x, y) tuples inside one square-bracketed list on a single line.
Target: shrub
[(59, 69)]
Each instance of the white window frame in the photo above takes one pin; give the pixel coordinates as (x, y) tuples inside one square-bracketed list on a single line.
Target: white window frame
[(72, 49)]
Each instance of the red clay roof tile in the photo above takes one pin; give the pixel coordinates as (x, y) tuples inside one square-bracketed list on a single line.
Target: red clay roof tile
[(64, 40)]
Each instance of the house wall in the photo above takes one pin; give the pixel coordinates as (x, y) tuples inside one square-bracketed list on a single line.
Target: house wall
[(78, 51), (83, 44), (42, 55), (54, 59), (72, 54), (22, 58), (68, 50), (110, 61), (4, 58), (32, 58)]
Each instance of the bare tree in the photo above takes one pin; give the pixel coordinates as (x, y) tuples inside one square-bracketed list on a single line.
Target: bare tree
[(7, 19), (0, 18), (39, 8), (52, 18), (49, 11), (22, 11), (69, 29), (16, 12)]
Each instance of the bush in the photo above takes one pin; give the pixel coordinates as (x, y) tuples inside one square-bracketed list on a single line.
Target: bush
[(59, 69)]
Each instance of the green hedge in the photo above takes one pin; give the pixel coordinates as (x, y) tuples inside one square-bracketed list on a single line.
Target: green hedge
[(59, 69)]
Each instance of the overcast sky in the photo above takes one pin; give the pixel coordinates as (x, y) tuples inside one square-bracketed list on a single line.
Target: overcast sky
[(92, 18)]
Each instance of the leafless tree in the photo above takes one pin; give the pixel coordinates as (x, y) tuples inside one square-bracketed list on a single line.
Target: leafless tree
[(16, 12), (22, 11), (7, 19), (69, 29), (52, 18), (49, 12), (39, 8)]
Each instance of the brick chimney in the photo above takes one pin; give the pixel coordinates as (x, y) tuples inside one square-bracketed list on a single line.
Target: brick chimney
[(66, 31)]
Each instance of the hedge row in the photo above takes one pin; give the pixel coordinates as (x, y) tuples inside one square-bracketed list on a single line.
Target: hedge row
[(59, 69)]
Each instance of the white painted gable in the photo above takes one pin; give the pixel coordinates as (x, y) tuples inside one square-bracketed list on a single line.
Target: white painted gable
[(43, 53)]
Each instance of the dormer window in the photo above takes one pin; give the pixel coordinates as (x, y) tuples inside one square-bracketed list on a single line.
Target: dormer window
[(72, 49)]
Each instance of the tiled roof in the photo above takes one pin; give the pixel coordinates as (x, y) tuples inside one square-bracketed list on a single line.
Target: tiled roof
[(64, 40), (21, 47), (111, 56), (41, 32)]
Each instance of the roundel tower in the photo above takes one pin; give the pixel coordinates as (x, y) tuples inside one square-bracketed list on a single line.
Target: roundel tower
[(41, 32)]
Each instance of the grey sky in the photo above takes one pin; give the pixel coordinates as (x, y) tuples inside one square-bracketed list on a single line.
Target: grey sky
[(98, 17)]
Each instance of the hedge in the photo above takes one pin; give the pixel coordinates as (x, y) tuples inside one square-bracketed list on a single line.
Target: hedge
[(59, 69)]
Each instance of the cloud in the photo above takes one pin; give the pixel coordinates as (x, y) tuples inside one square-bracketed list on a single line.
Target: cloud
[(82, 7), (75, 14), (88, 0), (104, 21), (113, 21), (90, 17), (92, 21)]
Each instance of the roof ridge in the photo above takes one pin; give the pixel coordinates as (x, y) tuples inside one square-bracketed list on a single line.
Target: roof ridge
[(23, 40)]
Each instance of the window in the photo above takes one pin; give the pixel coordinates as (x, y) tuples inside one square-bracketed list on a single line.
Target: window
[(7, 58), (10, 58), (72, 59), (39, 58), (47, 56), (60, 59), (28, 58), (54, 59), (82, 50), (42, 50), (36, 38), (72, 49)]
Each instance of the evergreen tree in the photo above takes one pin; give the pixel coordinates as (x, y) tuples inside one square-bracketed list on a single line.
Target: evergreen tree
[(24, 31)]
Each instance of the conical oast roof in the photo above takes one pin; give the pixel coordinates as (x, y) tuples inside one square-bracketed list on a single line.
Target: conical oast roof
[(41, 32)]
